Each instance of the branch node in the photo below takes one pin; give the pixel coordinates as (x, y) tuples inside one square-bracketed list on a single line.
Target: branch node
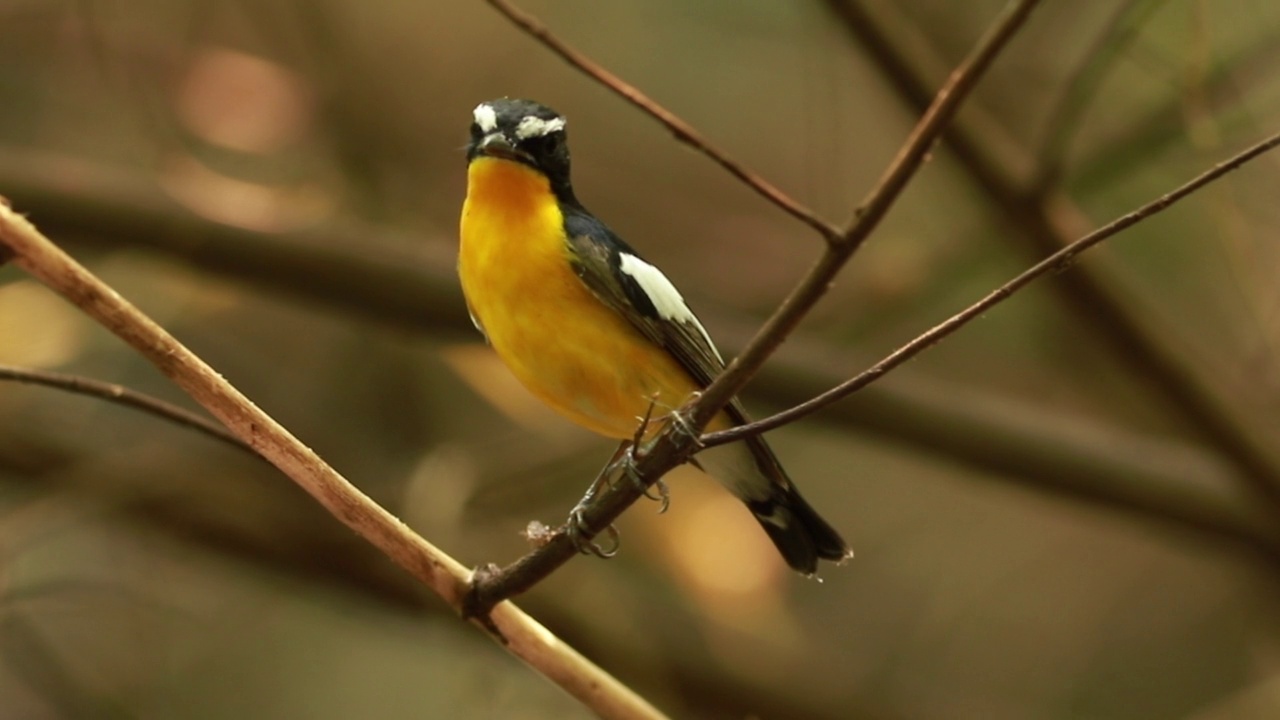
[(477, 602)]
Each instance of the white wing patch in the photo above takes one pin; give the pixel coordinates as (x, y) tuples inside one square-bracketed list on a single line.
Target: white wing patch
[(486, 117), (531, 126), (664, 296)]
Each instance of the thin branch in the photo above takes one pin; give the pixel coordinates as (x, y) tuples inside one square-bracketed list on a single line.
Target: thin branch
[(868, 216), (516, 631), (683, 131), (122, 395), (1103, 467), (1057, 262), (1045, 223), (677, 442)]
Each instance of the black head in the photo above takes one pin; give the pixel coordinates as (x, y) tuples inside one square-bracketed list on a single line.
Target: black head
[(522, 131)]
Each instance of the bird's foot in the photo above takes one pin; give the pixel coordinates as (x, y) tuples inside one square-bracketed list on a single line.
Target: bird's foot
[(625, 461), (580, 535)]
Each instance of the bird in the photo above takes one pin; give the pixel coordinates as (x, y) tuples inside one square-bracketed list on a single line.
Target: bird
[(591, 328)]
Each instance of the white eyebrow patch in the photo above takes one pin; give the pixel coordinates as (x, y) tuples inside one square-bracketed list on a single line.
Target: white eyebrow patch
[(665, 297), (531, 126), (485, 117)]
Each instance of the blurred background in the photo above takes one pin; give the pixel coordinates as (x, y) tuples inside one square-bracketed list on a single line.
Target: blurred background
[(1070, 509)]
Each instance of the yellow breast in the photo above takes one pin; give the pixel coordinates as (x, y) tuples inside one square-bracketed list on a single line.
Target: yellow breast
[(564, 344)]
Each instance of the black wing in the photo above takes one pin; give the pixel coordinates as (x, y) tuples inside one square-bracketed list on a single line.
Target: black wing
[(622, 280)]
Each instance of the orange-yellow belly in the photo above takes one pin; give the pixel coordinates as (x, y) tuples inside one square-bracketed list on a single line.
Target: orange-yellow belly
[(563, 343)]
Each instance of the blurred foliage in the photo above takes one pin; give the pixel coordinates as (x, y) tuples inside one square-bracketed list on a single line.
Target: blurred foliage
[(147, 572)]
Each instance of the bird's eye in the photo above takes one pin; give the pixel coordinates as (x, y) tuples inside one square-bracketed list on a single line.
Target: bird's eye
[(476, 132)]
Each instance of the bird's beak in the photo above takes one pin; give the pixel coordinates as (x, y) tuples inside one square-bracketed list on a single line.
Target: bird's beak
[(497, 145)]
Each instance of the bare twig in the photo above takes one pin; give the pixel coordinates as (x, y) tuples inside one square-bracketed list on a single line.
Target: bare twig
[(518, 633), (1154, 481), (867, 217), (674, 445), (1057, 262), (683, 131), (122, 395), (1045, 223)]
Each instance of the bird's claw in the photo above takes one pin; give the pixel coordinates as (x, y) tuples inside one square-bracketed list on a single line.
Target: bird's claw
[(625, 464), (578, 533), (663, 498), (682, 423)]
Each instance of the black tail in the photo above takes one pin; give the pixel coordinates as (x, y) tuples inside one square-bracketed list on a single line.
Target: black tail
[(752, 472), (800, 534)]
